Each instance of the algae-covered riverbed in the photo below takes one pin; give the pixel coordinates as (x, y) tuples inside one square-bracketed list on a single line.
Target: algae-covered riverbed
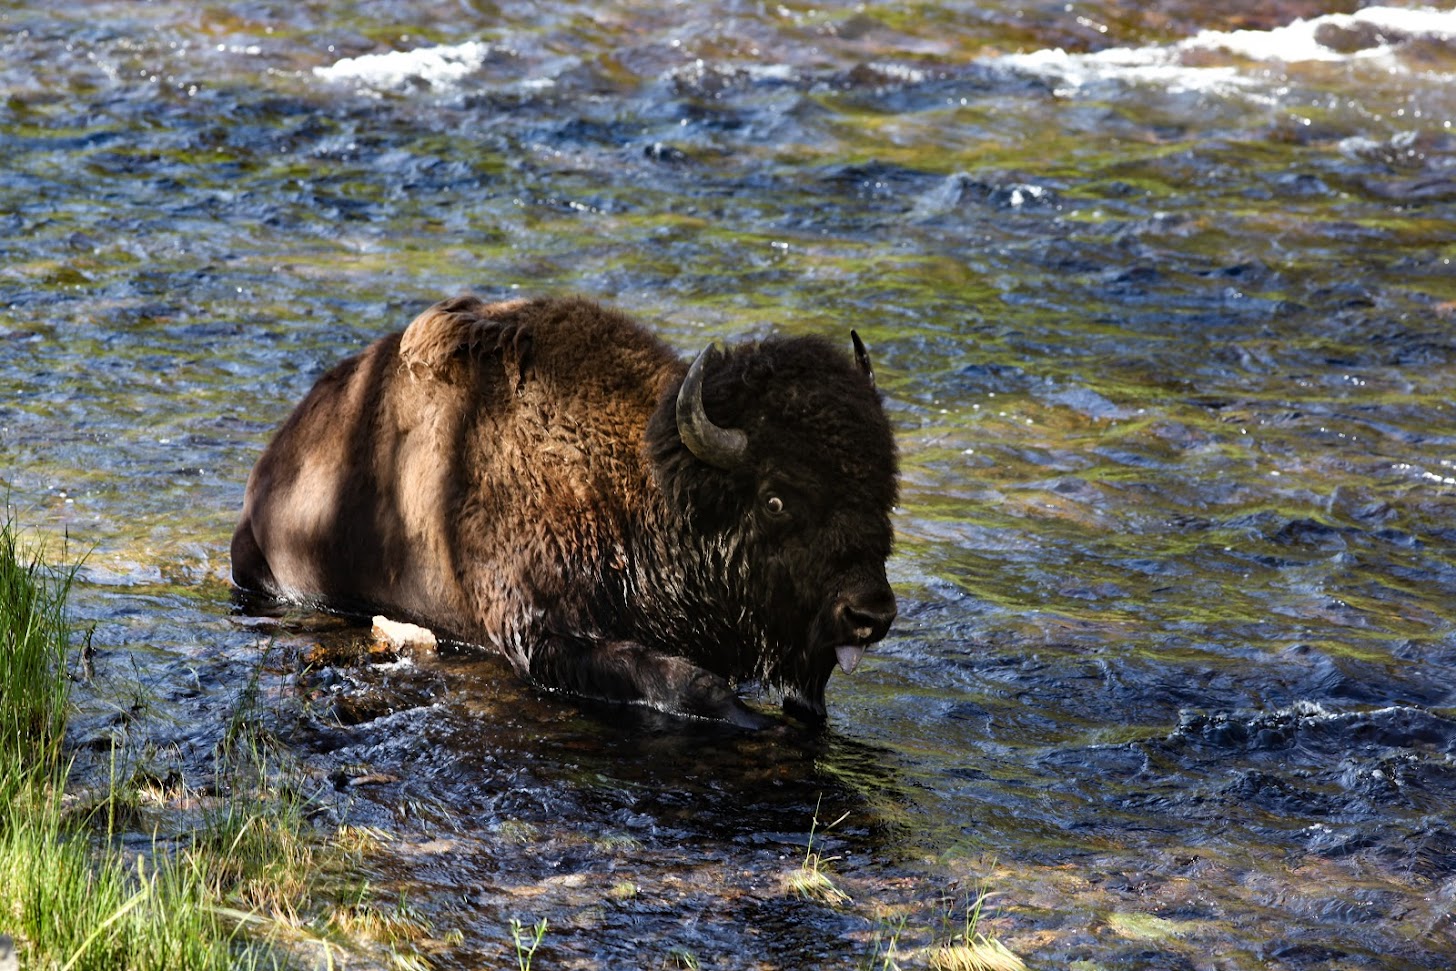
[(1161, 298)]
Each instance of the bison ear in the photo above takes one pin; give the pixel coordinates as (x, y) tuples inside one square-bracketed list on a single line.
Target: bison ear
[(862, 357)]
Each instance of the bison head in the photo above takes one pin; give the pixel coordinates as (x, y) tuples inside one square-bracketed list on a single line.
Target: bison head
[(779, 458)]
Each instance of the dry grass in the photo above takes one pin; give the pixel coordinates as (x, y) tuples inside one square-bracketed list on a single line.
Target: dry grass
[(811, 879), (386, 925), (812, 883), (979, 954), (971, 950)]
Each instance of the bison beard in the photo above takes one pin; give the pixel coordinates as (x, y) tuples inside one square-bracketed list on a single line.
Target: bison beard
[(547, 478)]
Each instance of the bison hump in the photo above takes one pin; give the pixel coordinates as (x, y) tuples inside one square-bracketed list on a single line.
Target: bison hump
[(462, 325)]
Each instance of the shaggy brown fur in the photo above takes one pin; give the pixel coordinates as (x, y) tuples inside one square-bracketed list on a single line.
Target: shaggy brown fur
[(512, 474)]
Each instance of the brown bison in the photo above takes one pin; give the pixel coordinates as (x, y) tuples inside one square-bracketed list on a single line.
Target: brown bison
[(547, 478)]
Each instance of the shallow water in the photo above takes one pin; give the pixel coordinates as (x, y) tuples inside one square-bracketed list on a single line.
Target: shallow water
[(1167, 324)]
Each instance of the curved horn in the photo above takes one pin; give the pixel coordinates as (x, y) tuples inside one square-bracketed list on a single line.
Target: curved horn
[(862, 356), (724, 448)]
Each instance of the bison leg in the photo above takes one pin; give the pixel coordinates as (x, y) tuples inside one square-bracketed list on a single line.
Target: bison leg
[(250, 566), (807, 707), (628, 672)]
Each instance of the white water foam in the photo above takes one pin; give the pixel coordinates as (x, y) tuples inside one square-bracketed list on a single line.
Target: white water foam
[(1183, 66), (438, 67), (1301, 41), (1177, 67), (1158, 66)]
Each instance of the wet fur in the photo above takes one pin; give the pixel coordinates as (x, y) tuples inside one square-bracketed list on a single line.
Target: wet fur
[(512, 475)]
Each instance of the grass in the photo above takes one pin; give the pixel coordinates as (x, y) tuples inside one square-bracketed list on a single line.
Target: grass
[(811, 879), (884, 944), (526, 941), (34, 689), (399, 928), (233, 885), (968, 949), (972, 950), (71, 900)]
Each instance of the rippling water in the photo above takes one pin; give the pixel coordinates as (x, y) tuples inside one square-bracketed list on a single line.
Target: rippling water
[(1161, 297)]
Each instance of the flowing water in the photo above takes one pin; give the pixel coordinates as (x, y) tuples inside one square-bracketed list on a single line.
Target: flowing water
[(1162, 300)]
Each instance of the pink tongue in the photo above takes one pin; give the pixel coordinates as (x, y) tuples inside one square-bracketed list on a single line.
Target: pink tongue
[(849, 657)]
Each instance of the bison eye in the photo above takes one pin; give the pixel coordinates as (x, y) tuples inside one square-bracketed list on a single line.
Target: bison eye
[(774, 505)]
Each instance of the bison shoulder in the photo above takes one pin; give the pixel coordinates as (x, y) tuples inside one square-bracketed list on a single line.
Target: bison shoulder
[(466, 326)]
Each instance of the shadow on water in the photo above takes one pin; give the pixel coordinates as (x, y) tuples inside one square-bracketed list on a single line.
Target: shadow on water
[(640, 837)]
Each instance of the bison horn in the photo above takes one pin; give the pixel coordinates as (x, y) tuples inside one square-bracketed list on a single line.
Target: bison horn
[(862, 356), (724, 448)]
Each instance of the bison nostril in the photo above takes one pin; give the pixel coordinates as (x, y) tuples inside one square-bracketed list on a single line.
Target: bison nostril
[(867, 618)]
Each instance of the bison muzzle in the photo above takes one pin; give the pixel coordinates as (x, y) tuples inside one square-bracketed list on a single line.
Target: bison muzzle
[(547, 478)]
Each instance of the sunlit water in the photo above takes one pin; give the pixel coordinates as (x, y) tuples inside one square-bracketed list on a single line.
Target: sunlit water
[(1162, 300)]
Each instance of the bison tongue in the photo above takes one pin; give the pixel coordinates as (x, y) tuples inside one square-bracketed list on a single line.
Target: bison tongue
[(849, 657)]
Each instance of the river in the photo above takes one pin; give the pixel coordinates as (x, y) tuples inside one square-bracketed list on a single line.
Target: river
[(1160, 296)]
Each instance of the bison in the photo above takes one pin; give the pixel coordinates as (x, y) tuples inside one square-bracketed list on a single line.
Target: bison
[(547, 478)]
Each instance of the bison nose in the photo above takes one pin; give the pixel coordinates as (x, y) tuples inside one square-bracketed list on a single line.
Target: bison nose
[(866, 614)]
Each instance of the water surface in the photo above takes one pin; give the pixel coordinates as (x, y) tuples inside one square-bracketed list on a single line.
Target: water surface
[(1161, 297)]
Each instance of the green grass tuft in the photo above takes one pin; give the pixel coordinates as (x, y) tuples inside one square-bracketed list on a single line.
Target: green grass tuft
[(972, 950), (34, 687), (73, 897), (811, 880), (526, 941)]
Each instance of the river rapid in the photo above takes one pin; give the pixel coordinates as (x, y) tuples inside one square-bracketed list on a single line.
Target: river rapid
[(1161, 298)]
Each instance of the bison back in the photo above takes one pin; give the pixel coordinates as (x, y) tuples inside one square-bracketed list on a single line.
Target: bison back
[(475, 473)]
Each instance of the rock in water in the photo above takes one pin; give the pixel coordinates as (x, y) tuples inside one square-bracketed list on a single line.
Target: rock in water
[(400, 636)]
